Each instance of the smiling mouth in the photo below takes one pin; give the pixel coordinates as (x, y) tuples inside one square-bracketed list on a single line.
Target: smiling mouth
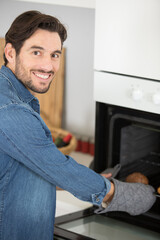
[(44, 76)]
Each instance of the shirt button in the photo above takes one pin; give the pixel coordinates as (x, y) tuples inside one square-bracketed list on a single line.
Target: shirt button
[(97, 199)]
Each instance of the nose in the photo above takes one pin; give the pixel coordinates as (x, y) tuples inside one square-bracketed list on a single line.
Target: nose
[(46, 64)]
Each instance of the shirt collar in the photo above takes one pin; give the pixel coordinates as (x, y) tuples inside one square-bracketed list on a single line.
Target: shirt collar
[(21, 90)]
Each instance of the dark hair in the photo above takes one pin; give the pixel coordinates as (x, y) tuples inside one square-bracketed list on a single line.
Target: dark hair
[(27, 23)]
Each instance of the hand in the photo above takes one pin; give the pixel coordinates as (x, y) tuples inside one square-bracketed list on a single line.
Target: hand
[(134, 198), (106, 175), (110, 194)]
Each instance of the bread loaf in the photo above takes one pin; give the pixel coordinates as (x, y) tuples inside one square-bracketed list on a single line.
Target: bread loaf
[(137, 177)]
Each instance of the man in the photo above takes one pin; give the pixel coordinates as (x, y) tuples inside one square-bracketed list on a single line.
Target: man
[(30, 164)]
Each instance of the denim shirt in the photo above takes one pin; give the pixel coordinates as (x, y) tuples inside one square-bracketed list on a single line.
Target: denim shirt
[(24, 137)]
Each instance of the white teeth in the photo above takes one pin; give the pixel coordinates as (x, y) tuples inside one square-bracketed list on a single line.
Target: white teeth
[(42, 76)]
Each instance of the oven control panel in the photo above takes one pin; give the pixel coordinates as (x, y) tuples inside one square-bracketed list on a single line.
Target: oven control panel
[(125, 91)]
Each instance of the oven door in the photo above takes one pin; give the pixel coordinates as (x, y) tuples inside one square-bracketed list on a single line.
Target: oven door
[(85, 225)]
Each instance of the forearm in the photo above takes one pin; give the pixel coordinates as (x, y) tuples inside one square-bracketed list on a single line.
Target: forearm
[(109, 196)]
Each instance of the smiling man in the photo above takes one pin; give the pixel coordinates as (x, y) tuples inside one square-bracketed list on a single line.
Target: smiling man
[(30, 164)]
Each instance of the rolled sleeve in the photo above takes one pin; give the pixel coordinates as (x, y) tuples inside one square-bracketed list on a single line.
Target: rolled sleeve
[(97, 198)]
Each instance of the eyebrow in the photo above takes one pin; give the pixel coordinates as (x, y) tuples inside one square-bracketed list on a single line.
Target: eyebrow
[(41, 48)]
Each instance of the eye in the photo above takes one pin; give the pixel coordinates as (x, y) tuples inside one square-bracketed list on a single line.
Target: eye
[(55, 55), (36, 53)]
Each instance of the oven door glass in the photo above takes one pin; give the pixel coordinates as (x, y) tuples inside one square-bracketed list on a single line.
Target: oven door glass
[(101, 227)]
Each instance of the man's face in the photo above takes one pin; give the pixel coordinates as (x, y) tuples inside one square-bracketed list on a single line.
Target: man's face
[(38, 60)]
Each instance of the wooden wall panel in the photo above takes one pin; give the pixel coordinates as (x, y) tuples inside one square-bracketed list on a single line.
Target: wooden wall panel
[(2, 42), (51, 102)]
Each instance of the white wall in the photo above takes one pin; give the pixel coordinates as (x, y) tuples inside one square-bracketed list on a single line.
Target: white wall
[(79, 107), (72, 3)]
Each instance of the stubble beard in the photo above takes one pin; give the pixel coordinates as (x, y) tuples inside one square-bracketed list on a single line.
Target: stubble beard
[(22, 76)]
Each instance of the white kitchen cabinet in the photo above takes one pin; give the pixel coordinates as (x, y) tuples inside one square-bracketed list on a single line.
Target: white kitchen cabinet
[(127, 37)]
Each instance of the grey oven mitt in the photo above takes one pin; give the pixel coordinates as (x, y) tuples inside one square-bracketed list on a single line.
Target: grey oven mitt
[(133, 198), (115, 170)]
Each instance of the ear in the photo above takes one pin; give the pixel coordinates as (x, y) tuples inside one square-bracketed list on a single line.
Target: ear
[(10, 53)]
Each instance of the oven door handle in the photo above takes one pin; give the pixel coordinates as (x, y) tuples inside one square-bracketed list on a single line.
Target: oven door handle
[(156, 194)]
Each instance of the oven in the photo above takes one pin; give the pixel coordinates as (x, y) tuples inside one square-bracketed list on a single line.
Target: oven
[(127, 129), (128, 133)]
